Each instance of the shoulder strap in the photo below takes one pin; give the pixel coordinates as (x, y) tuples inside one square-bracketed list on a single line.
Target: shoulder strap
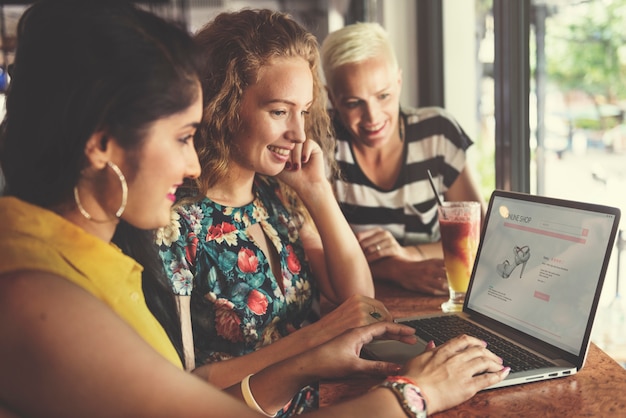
[(183, 304)]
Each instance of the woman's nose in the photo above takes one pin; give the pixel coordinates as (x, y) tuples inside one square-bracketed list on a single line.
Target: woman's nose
[(370, 111), (297, 129), (193, 166)]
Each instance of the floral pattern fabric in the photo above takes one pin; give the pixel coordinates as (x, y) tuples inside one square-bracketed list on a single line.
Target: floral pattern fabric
[(237, 304)]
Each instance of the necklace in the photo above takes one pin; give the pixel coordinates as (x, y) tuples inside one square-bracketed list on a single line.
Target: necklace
[(401, 124)]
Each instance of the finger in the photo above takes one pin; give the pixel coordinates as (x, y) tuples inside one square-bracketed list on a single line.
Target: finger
[(437, 285), (389, 238), (381, 368), (368, 233), (478, 360), (461, 343), (492, 369), (488, 379), (385, 328), (377, 316), (296, 157), (481, 381), (387, 316), (437, 263), (375, 237), (307, 150), (430, 345), (406, 339), (376, 309), (376, 251), (371, 255)]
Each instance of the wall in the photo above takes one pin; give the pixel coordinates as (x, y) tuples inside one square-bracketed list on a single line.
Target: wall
[(460, 72), (399, 17)]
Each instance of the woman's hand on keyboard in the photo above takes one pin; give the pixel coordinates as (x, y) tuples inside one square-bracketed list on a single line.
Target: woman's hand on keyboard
[(455, 371)]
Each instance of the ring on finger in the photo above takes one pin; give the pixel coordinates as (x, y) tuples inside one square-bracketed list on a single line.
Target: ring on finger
[(378, 248), (377, 316)]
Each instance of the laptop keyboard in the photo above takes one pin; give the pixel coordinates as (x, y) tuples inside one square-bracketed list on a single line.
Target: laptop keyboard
[(442, 328)]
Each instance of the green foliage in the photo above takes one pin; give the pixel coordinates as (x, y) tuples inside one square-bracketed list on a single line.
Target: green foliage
[(586, 49)]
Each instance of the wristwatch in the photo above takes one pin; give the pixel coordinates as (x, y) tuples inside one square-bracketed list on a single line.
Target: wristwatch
[(409, 395)]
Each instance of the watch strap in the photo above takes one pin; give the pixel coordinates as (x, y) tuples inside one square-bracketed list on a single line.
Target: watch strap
[(408, 394)]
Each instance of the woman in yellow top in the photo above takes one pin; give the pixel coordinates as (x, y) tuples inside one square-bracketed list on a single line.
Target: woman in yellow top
[(101, 111)]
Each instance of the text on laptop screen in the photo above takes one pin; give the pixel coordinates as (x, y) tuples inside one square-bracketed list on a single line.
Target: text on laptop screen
[(538, 269)]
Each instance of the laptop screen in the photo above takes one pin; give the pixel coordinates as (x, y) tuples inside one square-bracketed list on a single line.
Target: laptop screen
[(541, 266)]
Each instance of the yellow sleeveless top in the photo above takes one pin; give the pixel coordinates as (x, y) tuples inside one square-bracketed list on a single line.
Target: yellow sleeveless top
[(33, 238)]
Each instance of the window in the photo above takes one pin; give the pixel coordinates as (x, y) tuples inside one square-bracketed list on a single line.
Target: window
[(549, 111)]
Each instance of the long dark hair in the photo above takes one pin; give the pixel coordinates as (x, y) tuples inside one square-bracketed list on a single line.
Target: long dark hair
[(85, 66), (139, 244)]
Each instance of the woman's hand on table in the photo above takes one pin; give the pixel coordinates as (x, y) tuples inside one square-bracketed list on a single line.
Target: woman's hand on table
[(455, 371), (427, 276), (379, 243), (355, 312), (408, 267)]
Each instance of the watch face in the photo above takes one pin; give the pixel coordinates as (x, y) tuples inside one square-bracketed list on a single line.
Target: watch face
[(409, 395), (414, 398)]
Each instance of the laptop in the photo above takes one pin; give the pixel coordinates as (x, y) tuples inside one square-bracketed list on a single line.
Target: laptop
[(535, 285)]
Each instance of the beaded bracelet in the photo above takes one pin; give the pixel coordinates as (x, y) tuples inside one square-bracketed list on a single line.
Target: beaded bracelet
[(408, 394), (249, 398)]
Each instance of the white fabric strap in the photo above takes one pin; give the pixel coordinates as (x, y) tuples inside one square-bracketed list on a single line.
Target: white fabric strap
[(249, 398), (183, 303)]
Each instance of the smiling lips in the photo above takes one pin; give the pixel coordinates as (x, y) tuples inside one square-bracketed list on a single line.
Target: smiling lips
[(282, 154), (375, 128), (171, 194), (279, 151)]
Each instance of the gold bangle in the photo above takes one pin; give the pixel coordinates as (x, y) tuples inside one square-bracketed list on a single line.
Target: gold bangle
[(249, 398)]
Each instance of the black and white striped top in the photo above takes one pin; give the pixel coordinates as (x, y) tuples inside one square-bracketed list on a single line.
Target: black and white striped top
[(434, 141)]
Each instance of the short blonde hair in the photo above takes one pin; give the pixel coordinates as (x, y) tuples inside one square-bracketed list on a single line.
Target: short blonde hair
[(355, 43)]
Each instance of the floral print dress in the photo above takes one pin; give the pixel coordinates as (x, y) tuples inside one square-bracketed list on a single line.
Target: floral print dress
[(237, 304)]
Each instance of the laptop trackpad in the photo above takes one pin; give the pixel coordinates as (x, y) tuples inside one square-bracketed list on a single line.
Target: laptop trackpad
[(392, 351)]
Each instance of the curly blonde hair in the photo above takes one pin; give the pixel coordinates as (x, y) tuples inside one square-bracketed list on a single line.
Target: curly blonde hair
[(234, 47)]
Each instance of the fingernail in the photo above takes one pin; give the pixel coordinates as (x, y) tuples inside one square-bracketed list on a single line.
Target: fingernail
[(485, 343), (287, 165), (396, 369), (505, 371), (431, 344), (296, 167)]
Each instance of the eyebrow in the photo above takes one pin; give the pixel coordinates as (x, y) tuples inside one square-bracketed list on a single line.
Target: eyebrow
[(288, 102), (383, 90)]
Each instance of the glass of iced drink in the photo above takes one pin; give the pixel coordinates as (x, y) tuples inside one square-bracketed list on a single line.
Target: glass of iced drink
[(459, 223)]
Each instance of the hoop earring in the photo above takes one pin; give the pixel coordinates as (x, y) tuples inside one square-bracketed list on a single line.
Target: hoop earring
[(122, 180), (124, 185)]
